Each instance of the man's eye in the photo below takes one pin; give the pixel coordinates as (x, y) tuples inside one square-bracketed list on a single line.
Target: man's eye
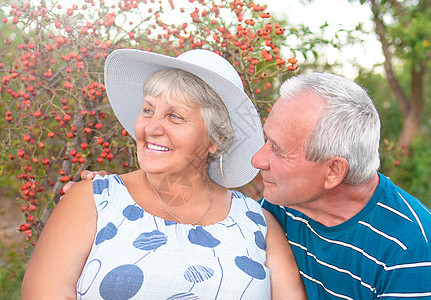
[(147, 111), (275, 149)]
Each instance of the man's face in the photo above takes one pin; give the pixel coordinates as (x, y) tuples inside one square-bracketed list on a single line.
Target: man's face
[(289, 179)]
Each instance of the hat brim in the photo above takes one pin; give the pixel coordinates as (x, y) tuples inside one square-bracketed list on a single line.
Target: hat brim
[(126, 70)]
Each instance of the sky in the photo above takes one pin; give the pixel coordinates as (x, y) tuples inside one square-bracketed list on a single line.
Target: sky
[(337, 13)]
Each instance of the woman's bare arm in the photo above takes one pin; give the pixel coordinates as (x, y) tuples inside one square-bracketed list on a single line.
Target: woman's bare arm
[(286, 282), (63, 247)]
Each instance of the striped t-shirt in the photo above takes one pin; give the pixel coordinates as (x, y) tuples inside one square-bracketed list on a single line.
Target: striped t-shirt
[(383, 252)]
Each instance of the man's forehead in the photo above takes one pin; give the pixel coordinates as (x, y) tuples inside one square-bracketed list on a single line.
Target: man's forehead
[(269, 130), (292, 117)]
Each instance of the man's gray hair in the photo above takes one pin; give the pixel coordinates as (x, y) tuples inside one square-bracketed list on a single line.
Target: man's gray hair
[(349, 127), (188, 88)]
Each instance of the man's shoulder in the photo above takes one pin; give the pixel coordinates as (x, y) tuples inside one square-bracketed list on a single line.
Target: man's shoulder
[(398, 202), (268, 205)]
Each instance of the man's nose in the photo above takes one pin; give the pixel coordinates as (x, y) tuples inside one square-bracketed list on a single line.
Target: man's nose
[(260, 159)]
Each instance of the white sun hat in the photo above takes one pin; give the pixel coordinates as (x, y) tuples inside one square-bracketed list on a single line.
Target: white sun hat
[(126, 70)]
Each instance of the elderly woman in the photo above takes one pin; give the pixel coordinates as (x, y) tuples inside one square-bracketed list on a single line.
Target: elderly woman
[(172, 229)]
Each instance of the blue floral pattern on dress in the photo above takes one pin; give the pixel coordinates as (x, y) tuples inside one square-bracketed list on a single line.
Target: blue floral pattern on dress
[(198, 274), (133, 212), (136, 255), (99, 185), (150, 240), (260, 240), (183, 296), (201, 237), (123, 282), (106, 233)]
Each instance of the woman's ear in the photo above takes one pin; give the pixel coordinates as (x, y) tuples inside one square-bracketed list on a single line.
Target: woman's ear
[(338, 167), (213, 148)]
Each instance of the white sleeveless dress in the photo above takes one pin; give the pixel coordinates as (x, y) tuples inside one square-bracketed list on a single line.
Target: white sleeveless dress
[(136, 255)]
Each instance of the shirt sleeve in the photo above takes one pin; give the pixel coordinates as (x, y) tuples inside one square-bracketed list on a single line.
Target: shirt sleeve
[(407, 275)]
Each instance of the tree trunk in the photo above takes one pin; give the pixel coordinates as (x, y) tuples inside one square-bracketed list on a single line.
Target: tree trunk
[(413, 117), (413, 108)]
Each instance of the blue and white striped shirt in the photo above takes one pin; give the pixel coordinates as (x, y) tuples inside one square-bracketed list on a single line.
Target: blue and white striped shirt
[(382, 252)]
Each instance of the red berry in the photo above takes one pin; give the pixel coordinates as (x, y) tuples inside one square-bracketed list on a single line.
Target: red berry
[(292, 60)]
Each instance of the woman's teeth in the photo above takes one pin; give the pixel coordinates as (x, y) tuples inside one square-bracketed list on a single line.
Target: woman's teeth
[(158, 148)]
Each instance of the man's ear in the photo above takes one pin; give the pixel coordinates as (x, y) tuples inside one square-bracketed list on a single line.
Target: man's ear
[(337, 168)]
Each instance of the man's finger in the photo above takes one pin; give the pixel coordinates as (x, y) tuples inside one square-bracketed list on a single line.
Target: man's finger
[(89, 175), (68, 186)]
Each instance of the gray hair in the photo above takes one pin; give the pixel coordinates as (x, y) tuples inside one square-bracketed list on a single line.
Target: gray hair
[(349, 127), (189, 88)]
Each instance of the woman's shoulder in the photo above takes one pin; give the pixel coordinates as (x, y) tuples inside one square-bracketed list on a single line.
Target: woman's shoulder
[(238, 196), (129, 177), (81, 190), (108, 182)]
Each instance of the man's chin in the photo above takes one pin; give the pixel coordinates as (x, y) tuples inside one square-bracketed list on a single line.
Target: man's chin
[(267, 195)]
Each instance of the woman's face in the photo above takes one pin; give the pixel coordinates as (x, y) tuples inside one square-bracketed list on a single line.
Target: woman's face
[(171, 138)]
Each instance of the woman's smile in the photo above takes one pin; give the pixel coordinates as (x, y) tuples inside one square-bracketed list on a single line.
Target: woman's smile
[(156, 147)]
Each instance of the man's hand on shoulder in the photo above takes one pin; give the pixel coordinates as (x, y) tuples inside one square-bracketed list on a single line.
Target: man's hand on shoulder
[(85, 175)]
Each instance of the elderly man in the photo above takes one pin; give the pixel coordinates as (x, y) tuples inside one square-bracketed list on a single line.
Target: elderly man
[(355, 234)]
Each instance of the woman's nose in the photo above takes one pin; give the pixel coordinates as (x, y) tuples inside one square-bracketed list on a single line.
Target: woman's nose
[(154, 126)]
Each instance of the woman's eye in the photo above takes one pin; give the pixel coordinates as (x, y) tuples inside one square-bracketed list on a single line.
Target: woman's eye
[(147, 111), (175, 116)]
